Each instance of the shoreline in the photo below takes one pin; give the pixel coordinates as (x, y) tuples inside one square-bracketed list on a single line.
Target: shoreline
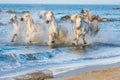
[(91, 71)]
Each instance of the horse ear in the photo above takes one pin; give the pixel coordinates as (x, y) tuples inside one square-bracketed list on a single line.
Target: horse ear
[(49, 12)]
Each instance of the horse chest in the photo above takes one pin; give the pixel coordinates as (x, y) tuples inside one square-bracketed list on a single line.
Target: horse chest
[(52, 30), (30, 28), (16, 27)]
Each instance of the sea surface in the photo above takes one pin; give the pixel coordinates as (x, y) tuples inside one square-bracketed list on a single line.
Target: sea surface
[(16, 59)]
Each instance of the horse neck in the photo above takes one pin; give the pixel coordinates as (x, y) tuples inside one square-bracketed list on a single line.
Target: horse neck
[(29, 24), (17, 23), (53, 23)]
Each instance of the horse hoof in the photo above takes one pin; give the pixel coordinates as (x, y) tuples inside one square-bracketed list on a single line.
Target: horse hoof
[(83, 46), (73, 44), (53, 42), (30, 42), (85, 42)]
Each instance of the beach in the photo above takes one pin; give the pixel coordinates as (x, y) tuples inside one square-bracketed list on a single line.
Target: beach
[(106, 72), (96, 72)]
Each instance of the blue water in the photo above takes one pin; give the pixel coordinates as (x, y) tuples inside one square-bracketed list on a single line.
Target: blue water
[(17, 59)]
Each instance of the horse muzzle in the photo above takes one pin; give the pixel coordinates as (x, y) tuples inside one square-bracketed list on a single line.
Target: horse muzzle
[(12, 20), (47, 21), (71, 21), (21, 19)]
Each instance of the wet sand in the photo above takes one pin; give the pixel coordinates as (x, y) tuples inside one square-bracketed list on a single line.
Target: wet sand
[(98, 72)]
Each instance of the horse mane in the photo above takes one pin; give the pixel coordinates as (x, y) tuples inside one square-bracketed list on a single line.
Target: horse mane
[(94, 17)]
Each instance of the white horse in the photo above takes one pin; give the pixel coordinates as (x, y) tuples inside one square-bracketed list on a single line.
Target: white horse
[(78, 29), (91, 20), (33, 32), (82, 28), (29, 23), (55, 32), (17, 27)]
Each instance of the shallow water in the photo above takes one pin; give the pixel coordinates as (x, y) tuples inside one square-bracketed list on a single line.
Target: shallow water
[(16, 58)]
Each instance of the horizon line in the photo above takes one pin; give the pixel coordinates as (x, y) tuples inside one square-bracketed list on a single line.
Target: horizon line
[(58, 4)]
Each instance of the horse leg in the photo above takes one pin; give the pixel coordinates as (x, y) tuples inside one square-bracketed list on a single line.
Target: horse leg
[(51, 39), (96, 30), (83, 35), (76, 40), (13, 38), (84, 41)]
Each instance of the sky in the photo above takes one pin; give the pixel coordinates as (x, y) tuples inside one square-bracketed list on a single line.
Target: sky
[(61, 1)]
